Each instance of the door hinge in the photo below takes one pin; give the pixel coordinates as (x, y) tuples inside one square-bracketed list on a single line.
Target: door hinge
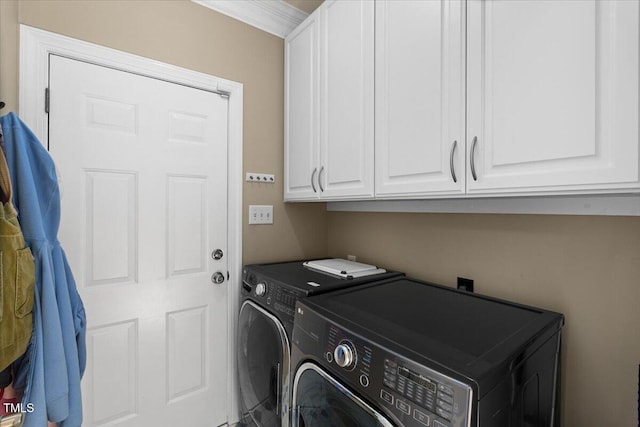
[(227, 275), (46, 100)]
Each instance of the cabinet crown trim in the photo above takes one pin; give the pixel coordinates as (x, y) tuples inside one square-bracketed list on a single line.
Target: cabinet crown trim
[(276, 17)]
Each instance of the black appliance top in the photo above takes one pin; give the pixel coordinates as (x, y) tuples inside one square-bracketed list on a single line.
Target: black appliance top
[(303, 279), (465, 332)]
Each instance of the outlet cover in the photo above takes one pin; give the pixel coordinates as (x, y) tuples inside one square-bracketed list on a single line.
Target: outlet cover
[(266, 178)]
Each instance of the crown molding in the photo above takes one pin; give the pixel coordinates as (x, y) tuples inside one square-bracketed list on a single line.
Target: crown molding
[(276, 17)]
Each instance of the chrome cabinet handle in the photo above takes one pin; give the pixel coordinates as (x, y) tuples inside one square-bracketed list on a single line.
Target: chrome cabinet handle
[(451, 165), (312, 176), (473, 161), (320, 179)]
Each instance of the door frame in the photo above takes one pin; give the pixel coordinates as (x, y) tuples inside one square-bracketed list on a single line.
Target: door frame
[(35, 47)]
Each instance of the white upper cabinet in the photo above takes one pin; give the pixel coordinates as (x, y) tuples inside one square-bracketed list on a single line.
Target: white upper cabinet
[(346, 99), (420, 128), (301, 155), (552, 96), (329, 108), (472, 98)]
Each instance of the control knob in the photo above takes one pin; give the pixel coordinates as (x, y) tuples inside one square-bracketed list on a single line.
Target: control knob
[(261, 289), (345, 355)]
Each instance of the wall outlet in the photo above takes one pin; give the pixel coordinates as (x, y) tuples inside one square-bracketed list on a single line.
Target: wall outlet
[(465, 284), (266, 178), (260, 214), (351, 258)]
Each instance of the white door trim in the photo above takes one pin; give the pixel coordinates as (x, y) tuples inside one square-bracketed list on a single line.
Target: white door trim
[(36, 46)]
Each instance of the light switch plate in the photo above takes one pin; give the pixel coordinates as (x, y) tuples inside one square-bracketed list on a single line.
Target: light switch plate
[(260, 214)]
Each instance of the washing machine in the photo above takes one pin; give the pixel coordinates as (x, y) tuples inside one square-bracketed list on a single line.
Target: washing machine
[(405, 353), (265, 324)]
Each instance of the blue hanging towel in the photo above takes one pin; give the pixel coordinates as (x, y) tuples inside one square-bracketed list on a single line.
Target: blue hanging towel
[(49, 373)]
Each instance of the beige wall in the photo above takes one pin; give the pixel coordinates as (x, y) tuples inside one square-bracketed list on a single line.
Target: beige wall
[(188, 35), (9, 55), (585, 267)]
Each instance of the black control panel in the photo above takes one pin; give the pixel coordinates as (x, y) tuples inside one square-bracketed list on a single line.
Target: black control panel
[(284, 302), (405, 392), (437, 398), (279, 299)]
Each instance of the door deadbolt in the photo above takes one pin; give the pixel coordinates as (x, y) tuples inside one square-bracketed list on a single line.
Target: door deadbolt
[(217, 254), (217, 278)]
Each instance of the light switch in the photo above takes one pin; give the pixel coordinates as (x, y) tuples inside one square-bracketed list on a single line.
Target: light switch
[(260, 214)]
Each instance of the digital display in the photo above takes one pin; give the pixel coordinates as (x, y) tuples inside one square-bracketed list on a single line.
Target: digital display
[(418, 379)]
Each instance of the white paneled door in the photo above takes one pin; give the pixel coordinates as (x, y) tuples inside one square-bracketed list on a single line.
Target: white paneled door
[(142, 165)]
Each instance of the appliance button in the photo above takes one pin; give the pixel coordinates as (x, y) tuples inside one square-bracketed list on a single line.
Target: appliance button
[(390, 384), (444, 405), (444, 414), (445, 389), (429, 404), (387, 397), (390, 364), (364, 380), (438, 424), (446, 398), (403, 406), (261, 289), (389, 376), (421, 417)]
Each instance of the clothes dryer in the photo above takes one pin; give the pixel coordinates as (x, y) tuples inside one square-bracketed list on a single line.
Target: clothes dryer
[(265, 323), (405, 353)]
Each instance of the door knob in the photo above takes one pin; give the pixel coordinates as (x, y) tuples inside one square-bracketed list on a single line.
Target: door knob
[(217, 254), (217, 278)]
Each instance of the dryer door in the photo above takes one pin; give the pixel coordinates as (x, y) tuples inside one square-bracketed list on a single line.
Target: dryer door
[(321, 401), (263, 367)]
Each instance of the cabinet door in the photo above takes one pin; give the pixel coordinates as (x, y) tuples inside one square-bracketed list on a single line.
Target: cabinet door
[(420, 142), (552, 96), (301, 112), (346, 99)]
